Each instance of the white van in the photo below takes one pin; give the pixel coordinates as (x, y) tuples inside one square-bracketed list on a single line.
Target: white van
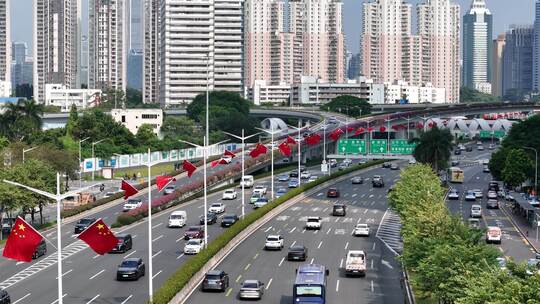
[(247, 181), (177, 219), (493, 235)]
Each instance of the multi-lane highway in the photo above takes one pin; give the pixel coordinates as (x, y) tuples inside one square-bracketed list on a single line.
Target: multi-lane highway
[(513, 244), (327, 246)]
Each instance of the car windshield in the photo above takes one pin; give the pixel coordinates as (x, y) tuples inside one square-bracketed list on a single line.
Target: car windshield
[(229, 191), (272, 239), (193, 242), (176, 217), (228, 217), (361, 226), (250, 285), (133, 202), (86, 221), (193, 229), (170, 188), (356, 255), (214, 277), (216, 205), (313, 220), (297, 248), (307, 291), (129, 264), (338, 207)]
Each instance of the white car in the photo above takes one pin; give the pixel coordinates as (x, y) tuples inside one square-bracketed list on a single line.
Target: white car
[(132, 204), (260, 188), (492, 195), (470, 196), (305, 175), (313, 222), (453, 194), (229, 194), (412, 161), (273, 242), (194, 246), (493, 235), (361, 230), (255, 196), (312, 179), (347, 161), (478, 193), (217, 208), (476, 211), (177, 219), (169, 190)]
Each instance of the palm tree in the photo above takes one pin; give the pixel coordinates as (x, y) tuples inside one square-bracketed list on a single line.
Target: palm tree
[(434, 148), (32, 110)]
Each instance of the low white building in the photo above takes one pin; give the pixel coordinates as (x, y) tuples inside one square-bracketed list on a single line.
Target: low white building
[(133, 119), (60, 96), (5, 88), (262, 93)]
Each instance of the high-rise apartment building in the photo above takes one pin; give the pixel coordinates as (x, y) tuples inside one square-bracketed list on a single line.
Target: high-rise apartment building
[(21, 65), (497, 65), (134, 25), (439, 28), (518, 59), (5, 44), (56, 43), (386, 32), (19, 51), (151, 51), (107, 56), (477, 46), (536, 48), (201, 45)]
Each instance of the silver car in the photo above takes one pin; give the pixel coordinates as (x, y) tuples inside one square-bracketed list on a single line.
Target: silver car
[(251, 289)]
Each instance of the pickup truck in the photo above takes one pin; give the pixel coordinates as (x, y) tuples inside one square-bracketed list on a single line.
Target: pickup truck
[(356, 263)]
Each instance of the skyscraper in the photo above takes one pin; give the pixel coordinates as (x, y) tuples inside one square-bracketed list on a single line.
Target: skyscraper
[(134, 24), (536, 48), (438, 28), (497, 65), (151, 52), (19, 51), (477, 47), (201, 45), (386, 30), (5, 45), (56, 40), (107, 59), (518, 59)]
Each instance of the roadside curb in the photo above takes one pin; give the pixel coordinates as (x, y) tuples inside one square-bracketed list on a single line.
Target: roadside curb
[(182, 296), (523, 236)]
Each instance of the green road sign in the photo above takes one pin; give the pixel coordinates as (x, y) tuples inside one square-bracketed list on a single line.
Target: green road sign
[(401, 146), (499, 134), (495, 134), (351, 146), (377, 146), (485, 134)]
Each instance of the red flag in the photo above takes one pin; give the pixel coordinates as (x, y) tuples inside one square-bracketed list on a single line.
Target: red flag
[(285, 149), (313, 139), (99, 237), (430, 124), (229, 153), (382, 129), (336, 134), (419, 126), (22, 242), (370, 129), (163, 181), (291, 141), (129, 190), (359, 131), (189, 167), (350, 129), (217, 162), (259, 149)]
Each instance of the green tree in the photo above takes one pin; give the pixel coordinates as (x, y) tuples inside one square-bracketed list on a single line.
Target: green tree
[(467, 95), (145, 135), (181, 128), (434, 148), (517, 168), (21, 119), (73, 120), (4, 142), (348, 104)]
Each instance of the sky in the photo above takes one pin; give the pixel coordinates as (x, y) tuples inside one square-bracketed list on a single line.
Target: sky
[(505, 13)]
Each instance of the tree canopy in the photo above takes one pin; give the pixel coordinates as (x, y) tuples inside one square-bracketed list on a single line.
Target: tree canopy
[(467, 95), (348, 104), (434, 148)]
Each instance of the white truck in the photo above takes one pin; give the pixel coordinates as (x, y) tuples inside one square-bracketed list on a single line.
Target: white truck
[(247, 181), (356, 263)]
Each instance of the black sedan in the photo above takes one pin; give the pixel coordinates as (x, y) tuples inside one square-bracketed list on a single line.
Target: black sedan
[(125, 243), (228, 220), (4, 297), (130, 269), (297, 253), (211, 218), (82, 224), (357, 180), (387, 165)]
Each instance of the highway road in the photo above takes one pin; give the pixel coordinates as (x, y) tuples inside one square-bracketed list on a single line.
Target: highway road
[(513, 244), (89, 278), (327, 247)]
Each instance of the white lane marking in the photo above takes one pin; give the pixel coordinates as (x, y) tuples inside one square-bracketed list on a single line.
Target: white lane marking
[(180, 256), (354, 195), (26, 296), (303, 231), (156, 274), (359, 219), (372, 288), (96, 256), (63, 296), (328, 232), (281, 262), (269, 283), (337, 286), (49, 234), (346, 245), (130, 254), (19, 263), (155, 226), (181, 238), (312, 259), (320, 244), (134, 236), (92, 277), (337, 219), (387, 264), (268, 229), (292, 230), (159, 237), (127, 299), (365, 211), (371, 195), (156, 254), (373, 249), (341, 264), (65, 273), (371, 263), (293, 243), (92, 299)]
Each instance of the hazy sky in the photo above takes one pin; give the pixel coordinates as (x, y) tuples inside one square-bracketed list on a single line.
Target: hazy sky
[(505, 13)]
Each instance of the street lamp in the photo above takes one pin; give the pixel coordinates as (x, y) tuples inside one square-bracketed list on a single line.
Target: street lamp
[(80, 161), (299, 139), (27, 150), (58, 198), (324, 162), (536, 169), (388, 133), (94, 158), (272, 133), (243, 138)]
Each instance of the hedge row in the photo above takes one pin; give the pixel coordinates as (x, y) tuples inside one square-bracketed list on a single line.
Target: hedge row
[(181, 277)]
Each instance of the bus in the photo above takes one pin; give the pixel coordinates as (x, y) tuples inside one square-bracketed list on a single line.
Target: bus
[(310, 284), (456, 175)]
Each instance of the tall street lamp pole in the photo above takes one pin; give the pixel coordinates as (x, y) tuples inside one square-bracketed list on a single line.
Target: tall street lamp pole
[(272, 133), (80, 160), (94, 158), (27, 150), (388, 133), (535, 170), (243, 139), (58, 198), (299, 139)]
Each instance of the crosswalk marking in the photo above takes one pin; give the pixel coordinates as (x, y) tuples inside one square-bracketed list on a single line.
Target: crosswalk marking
[(389, 231)]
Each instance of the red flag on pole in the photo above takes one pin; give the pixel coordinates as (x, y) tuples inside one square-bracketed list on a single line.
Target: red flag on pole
[(313, 139), (99, 237), (229, 153), (163, 181), (359, 131), (291, 141), (370, 129), (22, 242), (129, 190), (382, 129), (336, 134), (217, 162), (350, 129), (259, 149), (419, 126), (189, 167), (285, 149)]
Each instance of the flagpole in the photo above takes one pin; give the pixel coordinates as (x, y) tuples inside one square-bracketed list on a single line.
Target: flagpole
[(299, 139), (243, 139), (150, 262), (272, 133), (58, 198)]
